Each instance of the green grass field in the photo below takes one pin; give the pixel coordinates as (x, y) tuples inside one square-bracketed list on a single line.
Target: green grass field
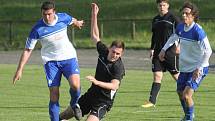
[(28, 99)]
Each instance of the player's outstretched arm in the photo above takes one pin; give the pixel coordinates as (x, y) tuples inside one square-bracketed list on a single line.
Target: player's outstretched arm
[(94, 23), (113, 85), (23, 60)]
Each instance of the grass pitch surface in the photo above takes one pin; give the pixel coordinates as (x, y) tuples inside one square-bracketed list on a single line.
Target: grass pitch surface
[(28, 99)]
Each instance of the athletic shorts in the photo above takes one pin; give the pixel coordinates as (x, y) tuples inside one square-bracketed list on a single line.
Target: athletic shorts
[(55, 69), (185, 79), (89, 104), (170, 64)]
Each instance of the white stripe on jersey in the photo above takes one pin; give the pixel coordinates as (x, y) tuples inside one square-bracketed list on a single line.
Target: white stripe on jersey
[(53, 33), (112, 93), (57, 47)]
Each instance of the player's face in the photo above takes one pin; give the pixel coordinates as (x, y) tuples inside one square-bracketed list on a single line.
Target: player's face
[(48, 15), (114, 53), (187, 16), (163, 8)]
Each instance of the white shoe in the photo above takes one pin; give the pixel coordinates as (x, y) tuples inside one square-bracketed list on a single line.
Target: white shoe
[(148, 105)]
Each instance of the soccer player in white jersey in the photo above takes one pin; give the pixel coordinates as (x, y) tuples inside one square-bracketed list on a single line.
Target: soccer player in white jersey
[(58, 55), (195, 52)]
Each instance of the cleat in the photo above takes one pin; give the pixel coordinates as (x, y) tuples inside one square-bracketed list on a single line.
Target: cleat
[(67, 114), (77, 112), (148, 105)]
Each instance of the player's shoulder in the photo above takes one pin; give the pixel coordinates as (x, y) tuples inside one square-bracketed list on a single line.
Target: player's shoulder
[(119, 64), (198, 29), (172, 17), (38, 24), (60, 15), (171, 14), (102, 49), (119, 67), (157, 17)]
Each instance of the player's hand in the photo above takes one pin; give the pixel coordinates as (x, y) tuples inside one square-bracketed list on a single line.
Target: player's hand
[(91, 79), (95, 9), (177, 49), (162, 55), (79, 23), (196, 74), (17, 76)]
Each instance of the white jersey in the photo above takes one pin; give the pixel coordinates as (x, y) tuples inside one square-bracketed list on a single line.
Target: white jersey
[(195, 49), (53, 38)]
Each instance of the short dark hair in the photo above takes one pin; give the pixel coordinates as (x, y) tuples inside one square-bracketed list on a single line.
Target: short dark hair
[(194, 10), (118, 44), (159, 1), (48, 5)]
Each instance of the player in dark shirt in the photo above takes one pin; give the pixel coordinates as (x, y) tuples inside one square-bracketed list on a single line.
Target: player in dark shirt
[(163, 25), (109, 72)]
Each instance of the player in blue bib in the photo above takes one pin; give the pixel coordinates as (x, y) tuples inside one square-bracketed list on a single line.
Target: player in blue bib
[(195, 52), (58, 56)]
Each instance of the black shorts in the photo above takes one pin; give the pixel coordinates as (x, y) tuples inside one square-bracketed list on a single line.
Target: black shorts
[(171, 64), (91, 105)]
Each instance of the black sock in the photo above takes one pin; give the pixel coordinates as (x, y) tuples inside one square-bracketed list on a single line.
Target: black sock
[(154, 92)]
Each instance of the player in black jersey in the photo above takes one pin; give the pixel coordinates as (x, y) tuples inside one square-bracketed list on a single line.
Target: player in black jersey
[(109, 73), (163, 25)]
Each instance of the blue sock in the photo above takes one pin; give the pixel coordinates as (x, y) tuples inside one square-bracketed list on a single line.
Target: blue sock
[(183, 104), (189, 112), (75, 94), (54, 110)]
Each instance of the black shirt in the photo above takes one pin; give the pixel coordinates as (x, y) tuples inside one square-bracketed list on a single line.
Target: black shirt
[(106, 71), (162, 29)]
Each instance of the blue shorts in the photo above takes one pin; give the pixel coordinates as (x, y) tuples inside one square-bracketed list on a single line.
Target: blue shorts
[(185, 79), (55, 69)]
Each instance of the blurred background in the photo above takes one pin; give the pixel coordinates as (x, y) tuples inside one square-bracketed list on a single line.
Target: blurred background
[(129, 20)]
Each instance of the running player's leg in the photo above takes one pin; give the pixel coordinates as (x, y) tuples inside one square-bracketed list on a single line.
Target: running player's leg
[(155, 86), (181, 84), (72, 73), (172, 66), (54, 107), (157, 69), (189, 109), (53, 76), (191, 86)]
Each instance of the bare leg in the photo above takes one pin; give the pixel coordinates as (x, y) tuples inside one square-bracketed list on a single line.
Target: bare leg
[(92, 118)]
